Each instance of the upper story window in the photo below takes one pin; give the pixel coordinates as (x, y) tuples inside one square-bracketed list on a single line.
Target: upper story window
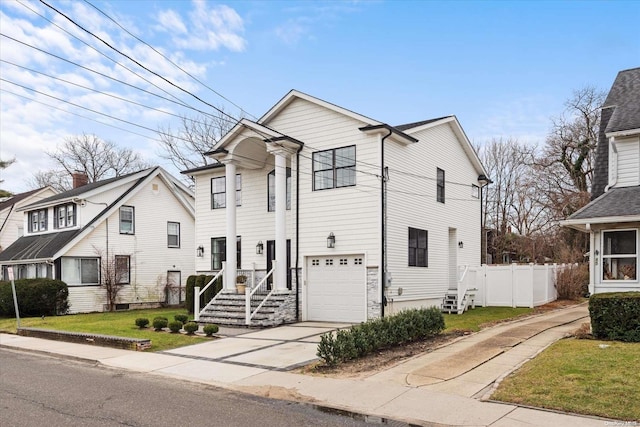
[(127, 220), (64, 215), (418, 245), (173, 234), (37, 221), (620, 255), (440, 185), (219, 192), (334, 168), (271, 190)]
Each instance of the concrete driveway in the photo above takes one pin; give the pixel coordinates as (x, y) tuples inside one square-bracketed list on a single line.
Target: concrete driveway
[(277, 349)]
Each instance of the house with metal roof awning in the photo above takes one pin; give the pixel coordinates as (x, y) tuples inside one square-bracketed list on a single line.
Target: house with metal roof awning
[(612, 218), (141, 224)]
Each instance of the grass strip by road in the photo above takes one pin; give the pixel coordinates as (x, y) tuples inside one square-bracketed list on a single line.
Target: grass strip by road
[(589, 377), (120, 324), (475, 319)]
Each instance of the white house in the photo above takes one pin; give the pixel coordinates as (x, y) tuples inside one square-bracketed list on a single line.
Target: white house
[(11, 219), (362, 218), (612, 218), (142, 223)]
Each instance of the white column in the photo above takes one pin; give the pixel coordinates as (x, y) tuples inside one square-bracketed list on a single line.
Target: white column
[(280, 279), (232, 262)]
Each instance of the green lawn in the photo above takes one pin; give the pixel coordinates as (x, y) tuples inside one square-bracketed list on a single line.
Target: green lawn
[(583, 376), (474, 319), (121, 323)]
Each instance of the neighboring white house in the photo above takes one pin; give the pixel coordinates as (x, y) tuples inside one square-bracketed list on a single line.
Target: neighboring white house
[(142, 223), (342, 195), (11, 219), (612, 219)]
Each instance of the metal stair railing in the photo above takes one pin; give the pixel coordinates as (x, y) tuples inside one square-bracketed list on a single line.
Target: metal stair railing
[(197, 293), (250, 295)]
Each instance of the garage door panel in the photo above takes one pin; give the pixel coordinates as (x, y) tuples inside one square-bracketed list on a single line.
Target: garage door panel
[(336, 288)]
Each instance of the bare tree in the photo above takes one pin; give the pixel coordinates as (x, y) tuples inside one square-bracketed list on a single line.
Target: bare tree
[(187, 146), (87, 153), (568, 158), (114, 276)]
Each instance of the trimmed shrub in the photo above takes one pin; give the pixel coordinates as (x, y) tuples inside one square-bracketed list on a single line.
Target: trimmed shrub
[(615, 316), (573, 282), (175, 326), (142, 322), (201, 281), (36, 297), (210, 329), (375, 334), (190, 327), (181, 318), (160, 323)]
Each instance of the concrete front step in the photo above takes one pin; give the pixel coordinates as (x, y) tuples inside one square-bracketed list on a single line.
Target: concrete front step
[(229, 309)]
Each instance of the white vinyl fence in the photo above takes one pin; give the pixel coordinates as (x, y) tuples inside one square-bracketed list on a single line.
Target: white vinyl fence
[(515, 285)]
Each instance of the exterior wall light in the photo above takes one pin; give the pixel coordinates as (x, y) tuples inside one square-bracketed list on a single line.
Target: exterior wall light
[(200, 251), (259, 248), (331, 241), (460, 244)]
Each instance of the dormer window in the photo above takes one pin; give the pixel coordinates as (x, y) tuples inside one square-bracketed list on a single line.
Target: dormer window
[(64, 216), (38, 221)]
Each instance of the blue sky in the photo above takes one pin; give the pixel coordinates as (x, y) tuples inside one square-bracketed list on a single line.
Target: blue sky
[(503, 68)]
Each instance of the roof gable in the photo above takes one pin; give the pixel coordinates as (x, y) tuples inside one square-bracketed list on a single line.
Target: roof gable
[(294, 94), (13, 200)]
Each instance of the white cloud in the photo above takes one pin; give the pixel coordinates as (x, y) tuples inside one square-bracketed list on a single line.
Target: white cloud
[(209, 28)]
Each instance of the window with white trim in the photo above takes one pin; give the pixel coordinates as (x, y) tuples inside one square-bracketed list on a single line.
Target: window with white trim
[(80, 271), (37, 220), (418, 246), (127, 220), (271, 190), (334, 168), (620, 255), (219, 192), (123, 269), (173, 234), (64, 216)]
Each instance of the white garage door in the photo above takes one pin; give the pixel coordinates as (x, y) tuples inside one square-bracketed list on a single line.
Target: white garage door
[(336, 288)]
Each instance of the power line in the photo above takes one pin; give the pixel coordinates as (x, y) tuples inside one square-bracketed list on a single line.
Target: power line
[(137, 62), (242, 110)]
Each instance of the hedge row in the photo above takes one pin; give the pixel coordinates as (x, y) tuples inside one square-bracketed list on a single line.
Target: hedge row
[(360, 340), (615, 316), (36, 297), (201, 281)]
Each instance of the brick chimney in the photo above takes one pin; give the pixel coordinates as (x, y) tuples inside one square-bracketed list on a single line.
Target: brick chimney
[(79, 179)]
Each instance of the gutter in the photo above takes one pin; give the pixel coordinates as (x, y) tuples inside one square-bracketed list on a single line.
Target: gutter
[(298, 231)]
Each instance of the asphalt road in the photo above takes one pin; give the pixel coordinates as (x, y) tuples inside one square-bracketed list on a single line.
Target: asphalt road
[(44, 391)]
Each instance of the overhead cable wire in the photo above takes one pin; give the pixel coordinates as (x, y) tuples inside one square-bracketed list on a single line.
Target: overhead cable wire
[(242, 110), (137, 62)]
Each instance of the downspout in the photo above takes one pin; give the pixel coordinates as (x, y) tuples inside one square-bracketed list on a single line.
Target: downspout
[(298, 289), (383, 195)]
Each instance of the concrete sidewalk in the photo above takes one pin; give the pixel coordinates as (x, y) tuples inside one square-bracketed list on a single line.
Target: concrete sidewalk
[(443, 387)]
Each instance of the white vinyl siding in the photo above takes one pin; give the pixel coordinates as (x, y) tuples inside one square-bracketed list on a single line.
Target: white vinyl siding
[(628, 163)]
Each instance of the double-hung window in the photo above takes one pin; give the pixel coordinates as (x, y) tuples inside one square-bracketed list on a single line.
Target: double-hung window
[(440, 185), (219, 192), (418, 245), (173, 234), (219, 252), (334, 168), (271, 190), (38, 220), (620, 255), (64, 216), (127, 220)]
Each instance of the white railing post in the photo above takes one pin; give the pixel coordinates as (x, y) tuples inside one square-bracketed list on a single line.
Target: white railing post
[(196, 303), (247, 306)]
